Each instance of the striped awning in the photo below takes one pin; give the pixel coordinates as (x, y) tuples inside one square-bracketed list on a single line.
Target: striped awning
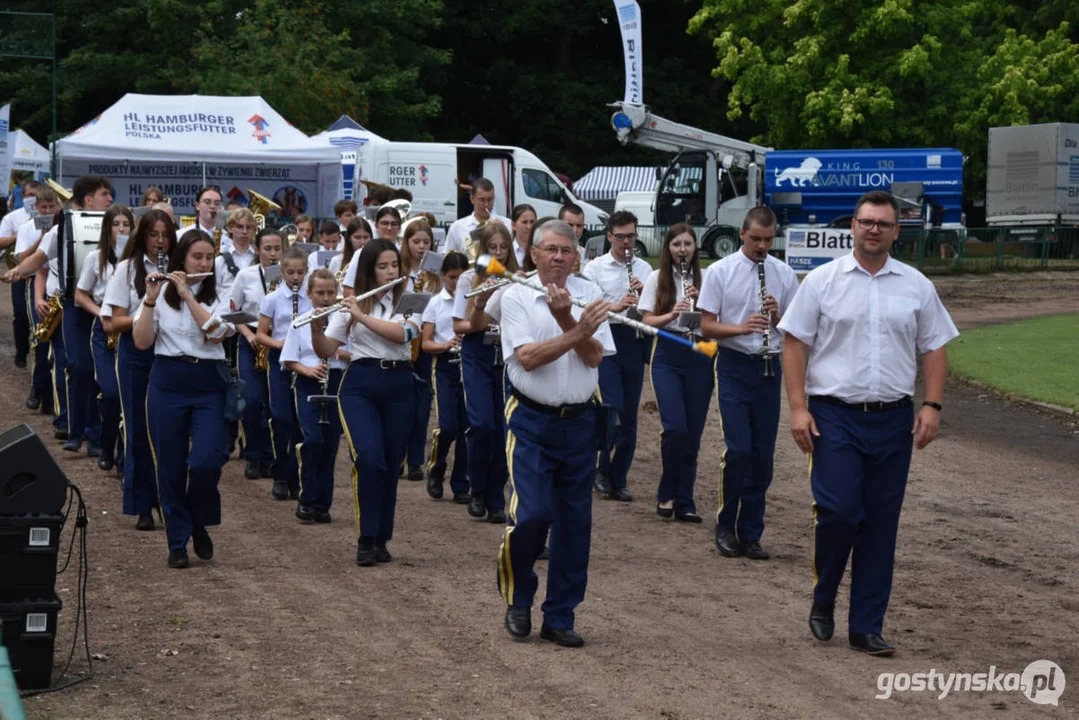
[(604, 183)]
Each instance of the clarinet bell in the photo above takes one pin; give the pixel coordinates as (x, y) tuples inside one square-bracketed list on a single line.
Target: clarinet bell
[(768, 372)]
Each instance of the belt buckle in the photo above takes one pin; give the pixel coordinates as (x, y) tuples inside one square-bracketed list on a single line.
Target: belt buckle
[(865, 406), (385, 364), (564, 411)]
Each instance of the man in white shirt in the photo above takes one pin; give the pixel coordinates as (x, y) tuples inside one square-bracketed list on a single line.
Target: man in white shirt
[(9, 228), (207, 208), (621, 376), (459, 236), (860, 322), (748, 376), (552, 349)]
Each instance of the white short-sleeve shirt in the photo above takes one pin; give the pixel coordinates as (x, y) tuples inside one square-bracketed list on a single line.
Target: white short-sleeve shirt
[(439, 312), (49, 245), (298, 348), (224, 278), (527, 319), (864, 331), (248, 291), (120, 290), (177, 332), (278, 306), (732, 292), (90, 281), (647, 302), (365, 343), (611, 275), (460, 232)]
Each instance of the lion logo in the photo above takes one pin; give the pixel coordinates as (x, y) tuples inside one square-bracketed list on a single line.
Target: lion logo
[(800, 176)]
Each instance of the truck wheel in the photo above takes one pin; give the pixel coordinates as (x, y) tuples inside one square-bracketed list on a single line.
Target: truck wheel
[(721, 242), (640, 250)]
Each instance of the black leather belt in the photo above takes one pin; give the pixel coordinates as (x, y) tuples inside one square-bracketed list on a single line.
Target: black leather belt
[(190, 359), (867, 406), (566, 411), (384, 364)]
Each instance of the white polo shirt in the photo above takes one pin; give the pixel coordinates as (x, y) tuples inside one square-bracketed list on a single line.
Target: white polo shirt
[(177, 332), (90, 281), (611, 275), (362, 342), (527, 319), (459, 235), (732, 291), (278, 306), (298, 348), (25, 236), (49, 247), (864, 331), (439, 312)]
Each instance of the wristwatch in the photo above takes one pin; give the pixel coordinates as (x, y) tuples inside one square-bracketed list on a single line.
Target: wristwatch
[(930, 403)]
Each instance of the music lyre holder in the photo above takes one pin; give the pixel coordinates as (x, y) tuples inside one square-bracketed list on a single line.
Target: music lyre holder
[(324, 402)]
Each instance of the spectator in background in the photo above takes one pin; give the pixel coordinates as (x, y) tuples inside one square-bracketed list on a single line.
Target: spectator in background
[(152, 196)]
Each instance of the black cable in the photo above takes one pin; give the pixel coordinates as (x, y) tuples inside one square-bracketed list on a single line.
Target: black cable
[(81, 610)]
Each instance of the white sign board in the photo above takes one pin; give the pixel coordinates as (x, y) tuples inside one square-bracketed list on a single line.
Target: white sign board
[(811, 247)]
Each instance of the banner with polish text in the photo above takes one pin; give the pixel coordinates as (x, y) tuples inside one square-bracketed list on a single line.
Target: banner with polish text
[(629, 19), (5, 148)]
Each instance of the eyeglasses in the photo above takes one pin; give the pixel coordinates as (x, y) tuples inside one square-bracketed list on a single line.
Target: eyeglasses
[(866, 224), (388, 223), (632, 237)]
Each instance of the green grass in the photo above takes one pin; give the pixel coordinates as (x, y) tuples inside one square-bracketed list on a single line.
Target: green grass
[(1036, 359)]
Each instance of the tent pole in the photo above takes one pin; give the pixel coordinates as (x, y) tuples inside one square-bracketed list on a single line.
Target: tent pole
[(204, 174)]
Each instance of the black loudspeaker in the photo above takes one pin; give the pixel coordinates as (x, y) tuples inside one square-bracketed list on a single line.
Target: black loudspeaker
[(30, 480)]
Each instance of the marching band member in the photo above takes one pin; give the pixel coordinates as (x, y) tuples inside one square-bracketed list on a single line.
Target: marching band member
[(552, 351), (459, 236), (207, 208), (247, 294), (275, 316), (482, 379), (444, 344), (152, 196), (731, 306), (375, 398), (418, 239), (358, 233), (154, 239), (240, 253), (185, 399), (388, 224), (524, 219), (621, 376), (321, 426), (681, 378), (344, 211), (9, 232), (329, 237), (305, 229), (97, 269)]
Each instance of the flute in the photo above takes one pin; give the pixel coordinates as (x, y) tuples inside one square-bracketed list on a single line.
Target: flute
[(488, 287), (166, 278), (311, 315), (491, 266)]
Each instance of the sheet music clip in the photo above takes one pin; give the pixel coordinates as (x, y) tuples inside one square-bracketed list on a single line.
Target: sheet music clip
[(271, 274), (432, 262), (325, 256), (412, 304)]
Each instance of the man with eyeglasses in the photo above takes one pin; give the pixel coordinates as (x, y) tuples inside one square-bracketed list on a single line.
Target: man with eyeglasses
[(459, 236), (621, 376), (207, 208), (552, 349), (860, 322)]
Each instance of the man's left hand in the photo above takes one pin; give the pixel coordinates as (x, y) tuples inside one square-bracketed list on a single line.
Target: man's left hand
[(926, 426)]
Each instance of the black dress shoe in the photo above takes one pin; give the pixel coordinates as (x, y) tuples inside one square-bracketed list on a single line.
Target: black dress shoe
[(754, 551), (322, 517), (105, 463), (434, 486), (476, 507), (204, 546), (871, 644), (727, 544), (602, 483), (279, 490), (251, 470), (497, 517), (382, 555), (461, 498), (71, 445), (20, 361), (519, 621), (33, 401), (145, 522), (365, 553), (61, 434), (93, 449), (565, 638), (822, 621), (689, 518), (266, 471), (621, 495), (415, 473), (664, 512), (178, 559), (294, 493), (305, 513)]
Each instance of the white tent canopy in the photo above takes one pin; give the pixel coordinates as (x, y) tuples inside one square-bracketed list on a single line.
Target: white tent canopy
[(352, 139), (604, 183), (180, 142), (27, 155)]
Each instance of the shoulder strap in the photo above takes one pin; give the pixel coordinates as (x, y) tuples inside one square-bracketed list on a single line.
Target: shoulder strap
[(230, 263)]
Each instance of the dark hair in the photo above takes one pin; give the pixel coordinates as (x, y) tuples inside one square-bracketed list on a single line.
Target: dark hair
[(384, 210), (205, 189), (570, 209), (665, 289), (207, 293), (342, 206), (529, 265), (136, 246), (519, 210), (319, 274), (878, 197), (365, 271), (105, 247), (760, 215), (454, 261), (621, 217), (379, 195), (30, 185), (482, 184), (88, 185), (357, 223), (329, 227), (401, 194), (267, 232), (153, 190)]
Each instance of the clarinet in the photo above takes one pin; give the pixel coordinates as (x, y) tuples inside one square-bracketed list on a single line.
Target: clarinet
[(691, 319), (631, 312), (766, 338), (323, 419), (161, 261), (295, 312)]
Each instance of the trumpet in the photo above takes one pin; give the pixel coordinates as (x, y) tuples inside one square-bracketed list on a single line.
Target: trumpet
[(312, 315), (487, 265), (488, 287)]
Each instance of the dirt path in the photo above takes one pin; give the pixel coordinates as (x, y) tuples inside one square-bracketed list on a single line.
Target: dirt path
[(283, 624)]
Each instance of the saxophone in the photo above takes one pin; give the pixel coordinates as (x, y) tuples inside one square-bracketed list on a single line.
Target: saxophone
[(217, 241), (47, 323), (112, 340), (339, 276), (262, 352)]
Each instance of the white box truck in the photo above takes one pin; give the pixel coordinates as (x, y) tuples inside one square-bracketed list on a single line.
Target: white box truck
[(1033, 175)]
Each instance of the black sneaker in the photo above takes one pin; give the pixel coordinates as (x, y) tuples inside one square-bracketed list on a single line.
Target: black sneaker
[(322, 517), (365, 553), (33, 401), (461, 498), (61, 434), (279, 490), (204, 546), (382, 555), (20, 362), (294, 493), (496, 516), (415, 473), (145, 522), (266, 471), (476, 507), (178, 559), (434, 486), (251, 470), (305, 513)]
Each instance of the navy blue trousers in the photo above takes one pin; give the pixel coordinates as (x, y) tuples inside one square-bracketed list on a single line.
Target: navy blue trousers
[(41, 374), (284, 430), (189, 439), (484, 404), (376, 409), (133, 372), (452, 421), (749, 413), (858, 475), (551, 461), (621, 378), (256, 427), (108, 402), (83, 420), (318, 451), (20, 319), (421, 388), (683, 381)]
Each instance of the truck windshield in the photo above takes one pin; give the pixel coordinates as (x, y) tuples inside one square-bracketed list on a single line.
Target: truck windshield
[(681, 193)]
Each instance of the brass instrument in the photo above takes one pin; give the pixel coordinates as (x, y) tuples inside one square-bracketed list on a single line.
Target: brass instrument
[(63, 193), (261, 206), (311, 315), (339, 276), (766, 351), (472, 242), (112, 340), (47, 323), (217, 241), (290, 232), (325, 400), (262, 358), (9, 256)]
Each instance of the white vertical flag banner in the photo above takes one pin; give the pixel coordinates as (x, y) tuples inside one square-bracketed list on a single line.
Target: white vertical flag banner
[(629, 19), (5, 149)]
